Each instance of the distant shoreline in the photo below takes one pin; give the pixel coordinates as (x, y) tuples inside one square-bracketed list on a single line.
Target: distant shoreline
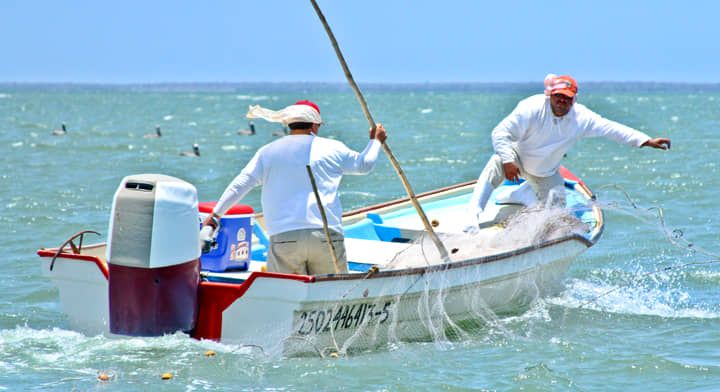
[(239, 87)]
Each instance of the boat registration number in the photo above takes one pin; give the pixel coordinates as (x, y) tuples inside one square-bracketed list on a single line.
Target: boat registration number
[(342, 317)]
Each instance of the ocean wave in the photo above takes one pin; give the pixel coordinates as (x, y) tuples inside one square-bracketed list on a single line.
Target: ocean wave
[(368, 195), (704, 276), (254, 98), (58, 359), (640, 299)]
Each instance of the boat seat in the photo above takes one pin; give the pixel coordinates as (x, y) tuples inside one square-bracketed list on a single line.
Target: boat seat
[(386, 232), (373, 228), (364, 229)]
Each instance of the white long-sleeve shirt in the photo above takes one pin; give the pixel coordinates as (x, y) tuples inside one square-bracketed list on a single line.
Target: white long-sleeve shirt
[(288, 201), (541, 139)]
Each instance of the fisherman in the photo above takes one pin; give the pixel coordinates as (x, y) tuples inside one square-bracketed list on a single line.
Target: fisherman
[(297, 241), (533, 139)]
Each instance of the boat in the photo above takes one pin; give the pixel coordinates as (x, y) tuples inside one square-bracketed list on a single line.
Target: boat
[(398, 288)]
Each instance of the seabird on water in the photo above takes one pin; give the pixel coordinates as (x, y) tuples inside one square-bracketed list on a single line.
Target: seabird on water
[(154, 135), (194, 153), (248, 132), (60, 132)]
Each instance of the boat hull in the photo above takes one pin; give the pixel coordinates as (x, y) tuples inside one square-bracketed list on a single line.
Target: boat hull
[(383, 298), (312, 315), (344, 314)]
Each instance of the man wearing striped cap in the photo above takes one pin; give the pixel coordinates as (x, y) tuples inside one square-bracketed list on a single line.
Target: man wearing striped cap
[(292, 217)]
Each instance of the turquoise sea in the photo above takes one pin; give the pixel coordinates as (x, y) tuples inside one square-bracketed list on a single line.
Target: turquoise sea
[(640, 311)]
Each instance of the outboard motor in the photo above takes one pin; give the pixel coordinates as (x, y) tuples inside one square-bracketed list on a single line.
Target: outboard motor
[(153, 256)]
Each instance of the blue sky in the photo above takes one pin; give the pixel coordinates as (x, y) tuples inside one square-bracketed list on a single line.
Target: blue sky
[(134, 41)]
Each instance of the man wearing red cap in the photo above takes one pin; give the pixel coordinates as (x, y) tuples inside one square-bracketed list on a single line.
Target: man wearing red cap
[(292, 217), (533, 139)]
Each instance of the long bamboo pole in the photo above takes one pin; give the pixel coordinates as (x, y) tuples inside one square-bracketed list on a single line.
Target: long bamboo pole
[(324, 219), (396, 165)]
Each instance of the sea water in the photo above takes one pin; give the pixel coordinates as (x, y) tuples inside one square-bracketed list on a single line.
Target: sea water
[(639, 311)]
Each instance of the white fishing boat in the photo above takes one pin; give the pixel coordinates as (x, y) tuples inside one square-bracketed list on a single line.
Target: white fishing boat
[(151, 279)]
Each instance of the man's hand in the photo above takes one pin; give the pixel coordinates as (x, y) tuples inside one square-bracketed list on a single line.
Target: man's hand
[(512, 172), (378, 133), (659, 142), (211, 221)]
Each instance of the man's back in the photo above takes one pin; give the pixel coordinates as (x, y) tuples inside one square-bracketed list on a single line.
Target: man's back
[(287, 196)]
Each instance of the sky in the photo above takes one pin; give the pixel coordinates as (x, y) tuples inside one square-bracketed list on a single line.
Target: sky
[(384, 41)]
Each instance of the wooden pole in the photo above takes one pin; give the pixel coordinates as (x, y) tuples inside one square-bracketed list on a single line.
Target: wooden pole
[(324, 219), (433, 236)]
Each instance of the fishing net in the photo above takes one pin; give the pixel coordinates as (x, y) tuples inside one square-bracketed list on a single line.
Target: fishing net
[(444, 303)]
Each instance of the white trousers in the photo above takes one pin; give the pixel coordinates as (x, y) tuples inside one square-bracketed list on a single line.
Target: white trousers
[(494, 175)]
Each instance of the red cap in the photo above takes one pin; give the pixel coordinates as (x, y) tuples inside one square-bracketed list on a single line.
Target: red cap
[(564, 85), (308, 103)]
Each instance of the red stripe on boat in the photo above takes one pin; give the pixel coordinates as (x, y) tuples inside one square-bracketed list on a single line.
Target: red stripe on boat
[(570, 176), (102, 266), (215, 297)]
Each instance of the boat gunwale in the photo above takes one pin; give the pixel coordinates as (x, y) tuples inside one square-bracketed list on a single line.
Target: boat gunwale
[(391, 203), (456, 264), (354, 276), (589, 242), (100, 263)]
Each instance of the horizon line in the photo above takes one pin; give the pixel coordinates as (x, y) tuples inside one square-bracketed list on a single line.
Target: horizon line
[(162, 83)]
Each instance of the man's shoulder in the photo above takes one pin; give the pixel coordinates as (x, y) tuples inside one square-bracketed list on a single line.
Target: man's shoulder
[(582, 111), (533, 101), (330, 143), (531, 105), (274, 147)]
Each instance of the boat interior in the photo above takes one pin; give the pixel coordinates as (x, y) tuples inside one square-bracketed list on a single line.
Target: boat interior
[(375, 235)]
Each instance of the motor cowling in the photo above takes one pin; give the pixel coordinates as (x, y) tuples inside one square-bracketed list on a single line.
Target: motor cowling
[(153, 256)]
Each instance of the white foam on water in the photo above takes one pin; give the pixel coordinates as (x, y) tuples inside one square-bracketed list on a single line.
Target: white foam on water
[(253, 98), (39, 348), (639, 299), (358, 193), (538, 311), (705, 276), (234, 147)]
